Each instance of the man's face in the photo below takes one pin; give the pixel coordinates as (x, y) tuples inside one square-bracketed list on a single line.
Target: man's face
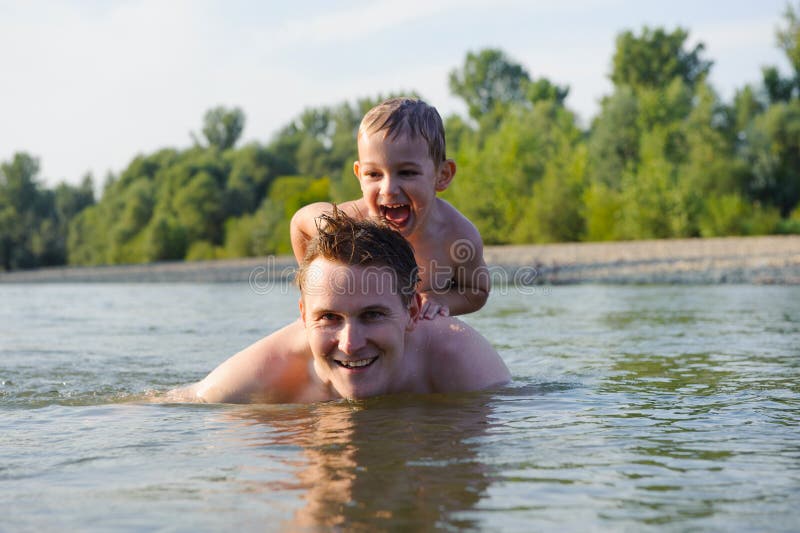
[(398, 178), (356, 324)]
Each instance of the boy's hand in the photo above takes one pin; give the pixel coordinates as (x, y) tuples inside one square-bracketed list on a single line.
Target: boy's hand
[(430, 308)]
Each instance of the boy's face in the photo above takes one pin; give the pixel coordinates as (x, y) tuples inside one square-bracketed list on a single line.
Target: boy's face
[(399, 180), (356, 325)]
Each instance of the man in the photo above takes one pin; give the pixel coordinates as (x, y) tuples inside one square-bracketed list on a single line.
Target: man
[(360, 310)]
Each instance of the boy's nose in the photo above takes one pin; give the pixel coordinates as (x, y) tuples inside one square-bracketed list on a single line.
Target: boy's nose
[(388, 185), (351, 339)]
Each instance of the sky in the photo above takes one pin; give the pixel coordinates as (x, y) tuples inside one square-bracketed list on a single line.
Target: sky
[(86, 86)]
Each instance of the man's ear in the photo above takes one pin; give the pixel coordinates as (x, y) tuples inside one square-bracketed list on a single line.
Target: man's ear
[(414, 307), (445, 174)]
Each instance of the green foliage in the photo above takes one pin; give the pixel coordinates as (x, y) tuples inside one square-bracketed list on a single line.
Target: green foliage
[(497, 168), (488, 79), (555, 212), (655, 58), (778, 88), (614, 138), (772, 156), (34, 220), (542, 90), (603, 210), (790, 224), (165, 239), (222, 127), (731, 214), (789, 39), (201, 251)]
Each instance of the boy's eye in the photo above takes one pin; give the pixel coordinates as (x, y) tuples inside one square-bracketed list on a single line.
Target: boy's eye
[(372, 174)]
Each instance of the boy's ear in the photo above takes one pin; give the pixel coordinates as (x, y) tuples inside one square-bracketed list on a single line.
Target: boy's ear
[(302, 314), (356, 166), (445, 174)]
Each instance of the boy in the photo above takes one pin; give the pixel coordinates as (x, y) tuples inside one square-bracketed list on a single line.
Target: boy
[(361, 335), (401, 166)]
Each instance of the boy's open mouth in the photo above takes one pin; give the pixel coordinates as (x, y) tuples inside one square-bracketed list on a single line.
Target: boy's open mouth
[(396, 214), (355, 365)]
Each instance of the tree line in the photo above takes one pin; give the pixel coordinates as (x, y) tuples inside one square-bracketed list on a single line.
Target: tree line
[(664, 157)]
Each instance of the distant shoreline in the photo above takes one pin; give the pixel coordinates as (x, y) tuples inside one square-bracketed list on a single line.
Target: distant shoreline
[(749, 260)]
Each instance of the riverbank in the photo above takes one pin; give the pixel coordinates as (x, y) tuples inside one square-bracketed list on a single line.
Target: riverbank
[(756, 260)]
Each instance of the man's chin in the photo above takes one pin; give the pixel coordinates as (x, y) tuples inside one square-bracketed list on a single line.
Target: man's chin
[(350, 391)]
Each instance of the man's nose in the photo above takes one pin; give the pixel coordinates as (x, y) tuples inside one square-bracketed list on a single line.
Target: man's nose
[(351, 338)]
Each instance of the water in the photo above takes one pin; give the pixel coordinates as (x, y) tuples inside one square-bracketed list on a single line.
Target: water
[(632, 409)]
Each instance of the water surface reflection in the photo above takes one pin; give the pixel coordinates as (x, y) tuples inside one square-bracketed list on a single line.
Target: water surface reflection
[(409, 463)]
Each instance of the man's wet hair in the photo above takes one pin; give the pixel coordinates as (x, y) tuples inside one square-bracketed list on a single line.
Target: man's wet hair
[(411, 117), (366, 243)]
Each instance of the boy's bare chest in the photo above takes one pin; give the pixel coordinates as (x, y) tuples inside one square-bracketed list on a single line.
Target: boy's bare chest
[(437, 268)]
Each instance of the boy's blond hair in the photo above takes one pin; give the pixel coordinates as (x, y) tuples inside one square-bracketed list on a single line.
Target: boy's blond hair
[(407, 116)]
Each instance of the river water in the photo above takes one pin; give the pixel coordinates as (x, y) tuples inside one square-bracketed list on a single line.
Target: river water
[(633, 408)]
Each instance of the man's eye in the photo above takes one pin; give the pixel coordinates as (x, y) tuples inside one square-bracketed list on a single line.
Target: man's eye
[(373, 315), (328, 317)]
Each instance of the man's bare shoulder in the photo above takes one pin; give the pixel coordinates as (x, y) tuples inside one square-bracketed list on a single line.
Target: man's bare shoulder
[(460, 358), (275, 369), (354, 208)]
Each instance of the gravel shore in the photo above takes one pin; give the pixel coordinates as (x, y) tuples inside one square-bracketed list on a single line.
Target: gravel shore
[(757, 260)]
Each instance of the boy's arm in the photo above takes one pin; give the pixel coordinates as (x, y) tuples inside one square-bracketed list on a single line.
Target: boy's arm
[(470, 283), (467, 293), (304, 225)]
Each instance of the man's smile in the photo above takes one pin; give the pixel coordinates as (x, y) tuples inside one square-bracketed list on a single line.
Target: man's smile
[(357, 364)]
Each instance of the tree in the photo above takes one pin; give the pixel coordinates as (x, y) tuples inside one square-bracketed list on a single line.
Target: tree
[(21, 209), (789, 39), (499, 169), (655, 58), (198, 208), (487, 79), (778, 88), (542, 90), (772, 155), (222, 127), (614, 138)]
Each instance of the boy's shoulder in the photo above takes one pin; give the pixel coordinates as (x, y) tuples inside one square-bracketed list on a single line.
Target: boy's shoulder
[(454, 225), (353, 208)]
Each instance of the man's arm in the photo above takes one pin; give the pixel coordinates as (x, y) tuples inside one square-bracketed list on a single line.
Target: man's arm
[(274, 369)]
